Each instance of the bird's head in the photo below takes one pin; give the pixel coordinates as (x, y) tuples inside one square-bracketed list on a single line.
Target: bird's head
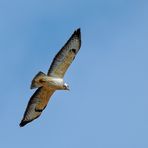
[(66, 86)]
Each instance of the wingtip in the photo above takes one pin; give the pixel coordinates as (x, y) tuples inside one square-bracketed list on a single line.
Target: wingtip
[(78, 31), (23, 123)]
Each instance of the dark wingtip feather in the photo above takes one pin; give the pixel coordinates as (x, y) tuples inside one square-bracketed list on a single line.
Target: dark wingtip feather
[(78, 32), (23, 123)]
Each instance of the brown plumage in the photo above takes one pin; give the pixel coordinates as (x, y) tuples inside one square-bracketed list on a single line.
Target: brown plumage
[(48, 84)]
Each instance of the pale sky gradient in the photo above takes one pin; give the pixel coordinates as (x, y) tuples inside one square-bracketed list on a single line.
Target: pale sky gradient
[(107, 106)]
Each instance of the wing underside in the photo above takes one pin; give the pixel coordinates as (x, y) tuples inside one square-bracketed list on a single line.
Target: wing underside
[(59, 66), (36, 105), (66, 55)]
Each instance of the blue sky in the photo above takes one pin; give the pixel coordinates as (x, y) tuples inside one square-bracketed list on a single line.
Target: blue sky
[(107, 106)]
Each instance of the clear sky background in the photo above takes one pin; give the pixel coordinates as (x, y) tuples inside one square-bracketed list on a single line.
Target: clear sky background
[(107, 106)]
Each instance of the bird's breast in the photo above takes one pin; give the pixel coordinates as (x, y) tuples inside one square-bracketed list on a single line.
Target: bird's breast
[(55, 83)]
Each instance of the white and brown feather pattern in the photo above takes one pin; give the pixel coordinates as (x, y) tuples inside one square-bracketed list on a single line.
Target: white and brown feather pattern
[(59, 66), (65, 56), (36, 105)]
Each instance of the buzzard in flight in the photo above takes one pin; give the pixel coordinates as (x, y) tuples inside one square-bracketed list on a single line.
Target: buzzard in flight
[(47, 84)]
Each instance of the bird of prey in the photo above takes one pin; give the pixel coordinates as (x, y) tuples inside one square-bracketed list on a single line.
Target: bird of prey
[(47, 84)]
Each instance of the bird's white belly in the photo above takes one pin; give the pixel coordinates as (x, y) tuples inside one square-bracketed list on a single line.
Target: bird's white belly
[(55, 83)]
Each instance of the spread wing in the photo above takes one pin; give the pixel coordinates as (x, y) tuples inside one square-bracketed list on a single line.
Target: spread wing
[(65, 56), (36, 105)]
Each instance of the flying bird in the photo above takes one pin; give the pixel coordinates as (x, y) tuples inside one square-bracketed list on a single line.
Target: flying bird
[(47, 84)]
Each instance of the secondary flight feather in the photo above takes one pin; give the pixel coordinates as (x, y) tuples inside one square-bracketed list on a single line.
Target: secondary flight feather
[(47, 84)]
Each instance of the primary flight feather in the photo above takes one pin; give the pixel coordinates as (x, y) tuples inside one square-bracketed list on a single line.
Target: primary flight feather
[(47, 84)]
